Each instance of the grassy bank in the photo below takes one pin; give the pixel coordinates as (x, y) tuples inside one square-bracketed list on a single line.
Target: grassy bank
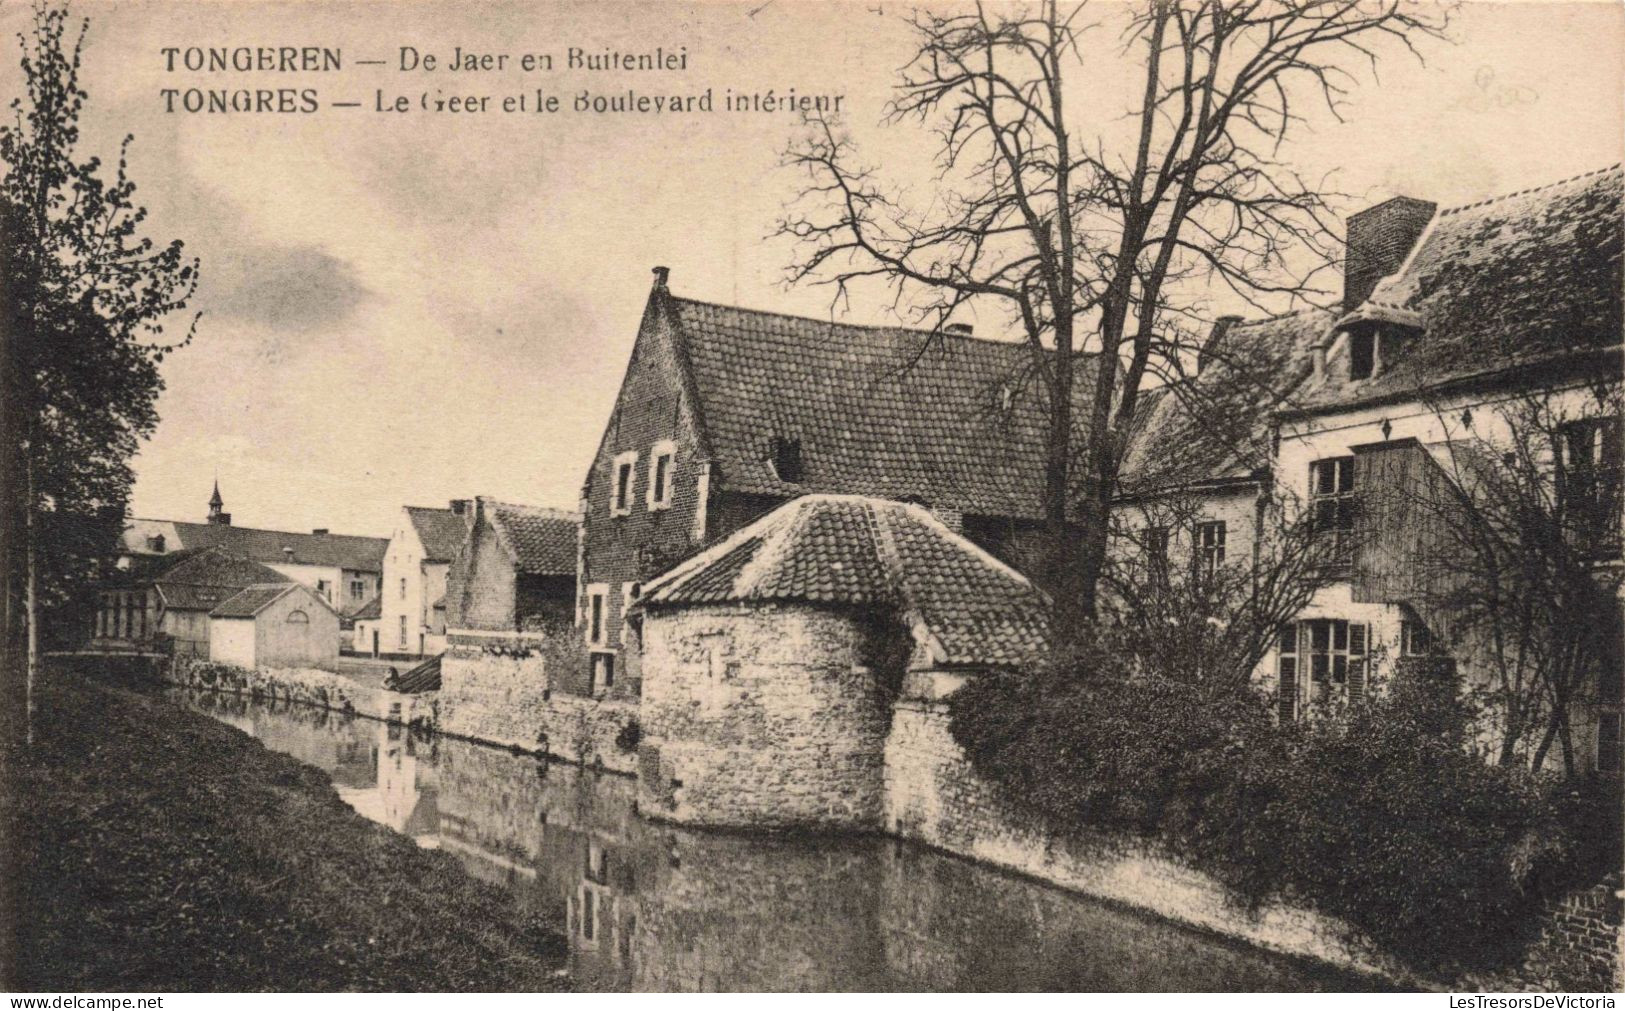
[(153, 848)]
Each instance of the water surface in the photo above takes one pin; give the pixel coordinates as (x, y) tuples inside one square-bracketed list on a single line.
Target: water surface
[(648, 906)]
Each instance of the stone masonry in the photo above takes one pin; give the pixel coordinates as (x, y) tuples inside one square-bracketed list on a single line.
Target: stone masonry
[(496, 689), (765, 716)]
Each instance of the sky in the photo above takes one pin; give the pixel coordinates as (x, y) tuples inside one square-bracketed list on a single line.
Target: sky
[(409, 308)]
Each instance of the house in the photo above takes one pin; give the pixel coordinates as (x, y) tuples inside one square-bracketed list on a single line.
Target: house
[(1450, 318), (726, 413), (421, 549), (366, 627), (274, 625), (168, 609), (515, 571), (772, 660), (345, 570)]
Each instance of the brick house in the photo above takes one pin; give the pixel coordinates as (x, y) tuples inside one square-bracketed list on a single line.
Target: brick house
[(515, 570), (725, 413)]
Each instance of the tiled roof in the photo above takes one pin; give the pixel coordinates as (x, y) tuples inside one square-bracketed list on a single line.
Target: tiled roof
[(1521, 279), (363, 554), (541, 541), (425, 677), (372, 610), (1218, 424), (441, 532), (251, 600), (204, 579), (955, 421), (968, 607)]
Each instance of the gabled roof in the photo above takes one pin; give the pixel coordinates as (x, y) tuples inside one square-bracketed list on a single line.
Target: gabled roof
[(962, 604), (951, 420), (251, 600), (1218, 425), (372, 610), (1529, 278), (541, 542), (362, 554), (205, 578), (440, 531)]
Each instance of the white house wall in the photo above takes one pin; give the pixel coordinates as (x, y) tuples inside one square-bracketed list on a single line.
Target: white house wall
[(231, 640)]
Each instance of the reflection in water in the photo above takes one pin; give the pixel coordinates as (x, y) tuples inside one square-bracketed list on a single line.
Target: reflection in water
[(653, 907)]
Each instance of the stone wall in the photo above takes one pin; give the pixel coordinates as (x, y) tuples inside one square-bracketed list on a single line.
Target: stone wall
[(764, 717), (303, 686), (933, 797), (495, 688)]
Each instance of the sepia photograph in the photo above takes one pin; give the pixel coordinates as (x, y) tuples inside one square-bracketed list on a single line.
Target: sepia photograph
[(812, 496)]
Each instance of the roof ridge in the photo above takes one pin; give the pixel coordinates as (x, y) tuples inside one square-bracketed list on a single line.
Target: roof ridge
[(541, 512), (971, 338), (1443, 212)]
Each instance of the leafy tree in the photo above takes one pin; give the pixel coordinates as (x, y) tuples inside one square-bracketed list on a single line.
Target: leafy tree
[(1100, 242), (86, 298)]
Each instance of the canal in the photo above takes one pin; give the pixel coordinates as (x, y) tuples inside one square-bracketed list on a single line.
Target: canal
[(648, 906)]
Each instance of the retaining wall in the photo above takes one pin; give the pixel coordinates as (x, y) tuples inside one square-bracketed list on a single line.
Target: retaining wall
[(305, 686)]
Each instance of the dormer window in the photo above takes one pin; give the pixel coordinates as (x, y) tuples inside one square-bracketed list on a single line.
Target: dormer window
[(785, 456), (1362, 352), (620, 501), (661, 462), (155, 543)]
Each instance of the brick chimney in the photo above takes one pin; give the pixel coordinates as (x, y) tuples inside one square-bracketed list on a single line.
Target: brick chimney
[(320, 532), (1379, 240), (960, 329), (662, 275)]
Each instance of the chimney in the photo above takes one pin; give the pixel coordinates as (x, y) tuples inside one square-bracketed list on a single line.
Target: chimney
[(661, 275), (320, 531), (459, 506), (287, 554), (1221, 326), (1379, 240), (959, 329)]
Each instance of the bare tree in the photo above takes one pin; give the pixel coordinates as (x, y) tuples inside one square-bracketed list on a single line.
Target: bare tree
[(1521, 563), (1100, 250), (1194, 607)]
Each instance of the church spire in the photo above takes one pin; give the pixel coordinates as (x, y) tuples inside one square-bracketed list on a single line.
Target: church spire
[(216, 504)]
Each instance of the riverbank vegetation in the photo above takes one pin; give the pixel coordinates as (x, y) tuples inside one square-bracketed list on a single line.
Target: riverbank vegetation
[(154, 848), (1381, 814)]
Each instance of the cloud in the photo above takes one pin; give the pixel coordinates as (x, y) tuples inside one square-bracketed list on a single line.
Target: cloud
[(281, 288)]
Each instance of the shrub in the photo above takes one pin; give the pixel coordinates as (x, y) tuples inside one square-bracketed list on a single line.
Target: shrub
[(629, 735), (1380, 816)]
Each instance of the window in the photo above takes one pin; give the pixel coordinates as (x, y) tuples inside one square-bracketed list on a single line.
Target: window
[(323, 588), (785, 456), (1156, 545), (1362, 352), (403, 587), (597, 613), (620, 502), (1331, 499), (358, 588), (1210, 546), (298, 618), (660, 473), (1414, 639), (1331, 652), (603, 672), (403, 631), (1592, 475)]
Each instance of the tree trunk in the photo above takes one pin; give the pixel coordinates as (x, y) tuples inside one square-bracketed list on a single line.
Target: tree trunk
[(31, 539)]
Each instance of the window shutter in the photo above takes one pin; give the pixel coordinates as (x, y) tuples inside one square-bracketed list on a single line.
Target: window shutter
[(1358, 636), (1288, 682)]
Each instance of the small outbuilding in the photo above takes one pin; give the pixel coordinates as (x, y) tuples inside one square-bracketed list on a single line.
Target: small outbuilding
[(274, 625), (772, 660)]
